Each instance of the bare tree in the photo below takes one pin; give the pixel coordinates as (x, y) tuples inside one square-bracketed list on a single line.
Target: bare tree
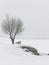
[(12, 27)]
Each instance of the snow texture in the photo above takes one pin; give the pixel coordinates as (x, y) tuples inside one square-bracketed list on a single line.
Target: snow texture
[(14, 55)]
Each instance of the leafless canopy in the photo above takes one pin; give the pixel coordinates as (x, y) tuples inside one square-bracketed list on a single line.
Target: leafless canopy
[(12, 26)]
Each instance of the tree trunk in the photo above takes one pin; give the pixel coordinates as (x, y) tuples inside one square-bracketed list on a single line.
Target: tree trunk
[(12, 41)]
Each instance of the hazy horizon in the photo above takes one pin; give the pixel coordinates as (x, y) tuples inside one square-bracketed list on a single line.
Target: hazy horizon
[(34, 14)]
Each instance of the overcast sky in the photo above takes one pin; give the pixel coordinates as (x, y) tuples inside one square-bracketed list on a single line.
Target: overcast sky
[(34, 14)]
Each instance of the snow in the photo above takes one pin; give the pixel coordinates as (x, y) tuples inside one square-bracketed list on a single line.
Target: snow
[(13, 55)]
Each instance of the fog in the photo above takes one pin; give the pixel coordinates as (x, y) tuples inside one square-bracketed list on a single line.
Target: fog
[(34, 14)]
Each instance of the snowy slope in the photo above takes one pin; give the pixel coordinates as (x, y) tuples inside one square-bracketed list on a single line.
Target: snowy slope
[(12, 55)]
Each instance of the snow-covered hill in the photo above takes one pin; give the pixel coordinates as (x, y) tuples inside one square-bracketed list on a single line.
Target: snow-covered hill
[(13, 55)]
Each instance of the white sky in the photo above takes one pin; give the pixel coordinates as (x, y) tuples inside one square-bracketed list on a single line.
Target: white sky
[(34, 14)]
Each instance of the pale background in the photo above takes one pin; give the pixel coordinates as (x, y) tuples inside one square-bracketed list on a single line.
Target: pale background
[(34, 14)]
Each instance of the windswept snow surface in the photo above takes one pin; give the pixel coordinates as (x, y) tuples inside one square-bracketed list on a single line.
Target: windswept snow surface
[(13, 55)]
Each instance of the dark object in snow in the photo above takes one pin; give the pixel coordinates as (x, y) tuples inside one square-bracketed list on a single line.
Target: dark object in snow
[(47, 54), (18, 43), (27, 50), (30, 49)]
